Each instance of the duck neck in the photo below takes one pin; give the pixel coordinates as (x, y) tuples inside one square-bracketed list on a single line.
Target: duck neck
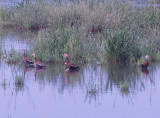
[(67, 60), (146, 62), (67, 63)]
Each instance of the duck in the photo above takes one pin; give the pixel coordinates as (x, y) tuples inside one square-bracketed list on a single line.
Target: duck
[(26, 60), (145, 64), (70, 66), (37, 64)]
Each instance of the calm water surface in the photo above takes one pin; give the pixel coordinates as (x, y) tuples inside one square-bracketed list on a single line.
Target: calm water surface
[(94, 91)]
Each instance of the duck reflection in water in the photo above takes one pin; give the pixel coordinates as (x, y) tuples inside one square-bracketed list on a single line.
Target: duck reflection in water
[(69, 73), (38, 71), (27, 68), (145, 71)]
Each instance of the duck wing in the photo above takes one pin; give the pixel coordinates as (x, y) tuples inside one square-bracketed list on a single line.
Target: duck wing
[(73, 67), (40, 63), (28, 60), (144, 64)]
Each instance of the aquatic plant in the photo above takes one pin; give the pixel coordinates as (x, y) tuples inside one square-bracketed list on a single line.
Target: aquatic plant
[(12, 57), (122, 46), (4, 83), (19, 82), (125, 88)]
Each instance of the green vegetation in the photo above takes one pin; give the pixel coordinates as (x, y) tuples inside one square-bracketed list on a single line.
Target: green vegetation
[(19, 82), (12, 57), (119, 46), (124, 87), (88, 30)]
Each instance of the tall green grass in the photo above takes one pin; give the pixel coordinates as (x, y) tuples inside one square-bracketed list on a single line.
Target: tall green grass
[(121, 45)]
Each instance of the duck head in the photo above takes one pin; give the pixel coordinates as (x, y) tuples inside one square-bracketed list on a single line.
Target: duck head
[(66, 56), (33, 54), (146, 57)]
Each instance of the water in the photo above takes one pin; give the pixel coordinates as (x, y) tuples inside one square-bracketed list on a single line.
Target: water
[(94, 91), (10, 39)]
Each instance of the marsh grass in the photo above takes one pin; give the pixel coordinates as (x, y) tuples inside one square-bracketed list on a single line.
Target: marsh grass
[(12, 57), (120, 45), (89, 30), (52, 45), (96, 16)]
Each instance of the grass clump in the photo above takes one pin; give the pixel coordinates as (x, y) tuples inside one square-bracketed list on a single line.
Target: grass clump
[(122, 46), (52, 45), (12, 57), (19, 82), (124, 86)]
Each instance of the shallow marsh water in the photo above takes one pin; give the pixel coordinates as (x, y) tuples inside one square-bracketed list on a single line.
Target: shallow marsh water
[(11, 39), (94, 91)]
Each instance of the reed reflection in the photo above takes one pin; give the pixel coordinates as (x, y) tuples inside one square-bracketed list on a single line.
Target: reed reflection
[(91, 79)]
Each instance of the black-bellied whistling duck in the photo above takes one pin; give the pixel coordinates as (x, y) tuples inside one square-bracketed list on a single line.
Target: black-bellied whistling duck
[(26, 59), (70, 66), (38, 64), (145, 64)]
